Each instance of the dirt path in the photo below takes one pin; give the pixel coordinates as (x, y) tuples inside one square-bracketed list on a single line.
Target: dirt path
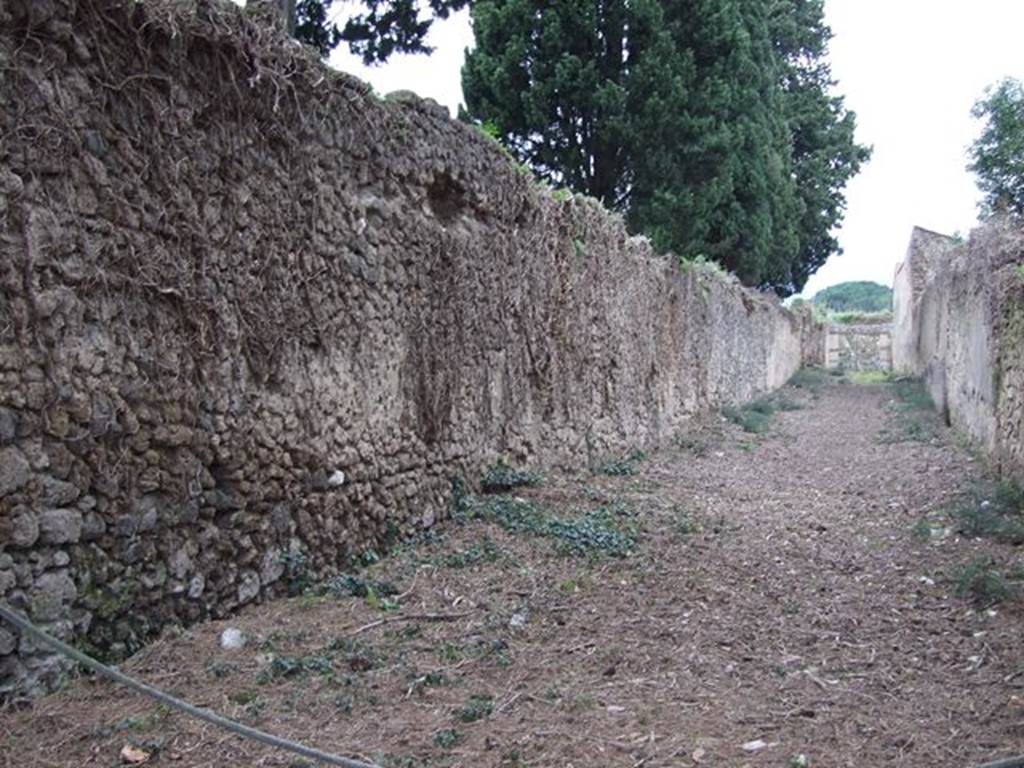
[(775, 591)]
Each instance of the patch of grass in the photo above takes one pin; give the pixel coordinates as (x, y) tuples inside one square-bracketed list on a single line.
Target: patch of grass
[(283, 666), (607, 531), (357, 656), (924, 529), (623, 466), (811, 379), (599, 531), (857, 318), (912, 415), (783, 403), (701, 263), (984, 583), (991, 510), (482, 551), (695, 445), (870, 377), (683, 522), (501, 478), (435, 678), (477, 707), (752, 418), (447, 738), (353, 585), (756, 416), (296, 572)]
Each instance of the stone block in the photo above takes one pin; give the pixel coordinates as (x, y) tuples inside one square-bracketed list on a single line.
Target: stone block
[(14, 471), (60, 526), (23, 527), (51, 595)]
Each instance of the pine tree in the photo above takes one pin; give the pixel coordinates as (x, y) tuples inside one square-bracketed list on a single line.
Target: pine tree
[(575, 88), (728, 194), (825, 155)]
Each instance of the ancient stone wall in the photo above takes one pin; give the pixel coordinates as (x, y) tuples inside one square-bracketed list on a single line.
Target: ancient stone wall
[(927, 249), (962, 329), (255, 320), (859, 346)]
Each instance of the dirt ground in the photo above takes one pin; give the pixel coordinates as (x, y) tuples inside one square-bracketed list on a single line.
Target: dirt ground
[(779, 603)]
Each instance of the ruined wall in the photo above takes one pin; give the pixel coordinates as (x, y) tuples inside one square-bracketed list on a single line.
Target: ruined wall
[(859, 346), (927, 249), (963, 331), (255, 319)]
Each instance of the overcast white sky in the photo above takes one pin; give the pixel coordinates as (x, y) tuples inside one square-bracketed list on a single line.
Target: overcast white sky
[(911, 69)]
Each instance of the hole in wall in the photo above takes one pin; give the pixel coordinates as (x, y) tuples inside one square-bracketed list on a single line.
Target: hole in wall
[(446, 198)]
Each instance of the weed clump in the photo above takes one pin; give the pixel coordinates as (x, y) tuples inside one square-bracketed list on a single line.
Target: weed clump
[(477, 707), (482, 551), (351, 585), (447, 738), (993, 510), (756, 416), (811, 379), (502, 478), (912, 414), (621, 467), (871, 377), (984, 583), (603, 531)]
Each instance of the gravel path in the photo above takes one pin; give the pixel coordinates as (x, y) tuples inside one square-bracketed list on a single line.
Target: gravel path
[(777, 599)]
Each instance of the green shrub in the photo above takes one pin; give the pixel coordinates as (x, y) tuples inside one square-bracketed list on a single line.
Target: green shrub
[(812, 379), (984, 583), (603, 531), (447, 738), (870, 377), (912, 415), (483, 551), (477, 707), (625, 465), (992, 510), (501, 478)]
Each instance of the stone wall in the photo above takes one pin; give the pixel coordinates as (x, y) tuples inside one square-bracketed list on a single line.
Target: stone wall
[(927, 249), (255, 319), (859, 346), (960, 325)]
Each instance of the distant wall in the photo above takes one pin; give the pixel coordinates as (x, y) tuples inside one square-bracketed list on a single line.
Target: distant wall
[(255, 320), (859, 347), (960, 325), (927, 250)]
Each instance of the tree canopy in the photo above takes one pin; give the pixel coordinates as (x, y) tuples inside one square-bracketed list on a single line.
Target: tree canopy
[(997, 155), (709, 123), (855, 296)]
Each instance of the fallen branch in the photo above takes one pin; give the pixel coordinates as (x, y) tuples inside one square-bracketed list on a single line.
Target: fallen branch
[(410, 617)]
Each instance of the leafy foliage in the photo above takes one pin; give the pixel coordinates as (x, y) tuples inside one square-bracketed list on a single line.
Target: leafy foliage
[(912, 414), (313, 26), (984, 583), (710, 123), (993, 510), (554, 80), (756, 416), (855, 296), (622, 466), (603, 531), (997, 156), (825, 154), (502, 478)]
